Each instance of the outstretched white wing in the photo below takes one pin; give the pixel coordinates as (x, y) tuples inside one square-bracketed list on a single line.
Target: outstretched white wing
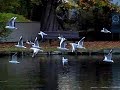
[(36, 43), (74, 46), (42, 34), (13, 21), (62, 43), (10, 21), (14, 57), (80, 43), (109, 56), (20, 42)]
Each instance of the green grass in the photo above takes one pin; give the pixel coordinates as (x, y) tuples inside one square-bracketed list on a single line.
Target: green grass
[(4, 17)]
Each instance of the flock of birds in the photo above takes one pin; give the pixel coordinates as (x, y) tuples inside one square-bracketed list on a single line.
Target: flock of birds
[(62, 45)]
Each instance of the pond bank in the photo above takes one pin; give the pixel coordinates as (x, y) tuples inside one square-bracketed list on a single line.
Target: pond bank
[(97, 52), (92, 48)]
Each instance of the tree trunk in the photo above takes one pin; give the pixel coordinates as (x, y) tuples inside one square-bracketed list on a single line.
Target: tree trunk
[(48, 18)]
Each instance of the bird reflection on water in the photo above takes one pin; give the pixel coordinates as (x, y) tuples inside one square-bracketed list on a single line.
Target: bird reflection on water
[(48, 73)]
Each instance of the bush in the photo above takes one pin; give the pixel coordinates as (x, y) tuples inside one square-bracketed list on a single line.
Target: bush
[(90, 14), (4, 17)]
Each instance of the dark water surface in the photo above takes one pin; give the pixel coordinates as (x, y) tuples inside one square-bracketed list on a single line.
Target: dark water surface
[(48, 73)]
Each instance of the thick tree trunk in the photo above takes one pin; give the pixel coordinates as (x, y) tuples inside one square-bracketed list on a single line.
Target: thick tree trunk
[(48, 18)]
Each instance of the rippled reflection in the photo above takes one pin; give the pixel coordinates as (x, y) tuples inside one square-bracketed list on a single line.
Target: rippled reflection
[(48, 73)]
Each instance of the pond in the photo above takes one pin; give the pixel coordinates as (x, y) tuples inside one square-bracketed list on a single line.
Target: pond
[(48, 73)]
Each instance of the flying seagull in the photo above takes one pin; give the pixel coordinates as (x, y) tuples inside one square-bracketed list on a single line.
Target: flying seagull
[(20, 43), (11, 23), (35, 51), (74, 46), (36, 43), (108, 57), (14, 59), (42, 34), (62, 45), (80, 43), (104, 30)]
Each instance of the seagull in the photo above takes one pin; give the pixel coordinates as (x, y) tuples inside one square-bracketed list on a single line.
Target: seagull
[(108, 58), (42, 34), (14, 59), (62, 44), (104, 30), (36, 43), (80, 43), (74, 46), (35, 51), (11, 23), (64, 60), (20, 43)]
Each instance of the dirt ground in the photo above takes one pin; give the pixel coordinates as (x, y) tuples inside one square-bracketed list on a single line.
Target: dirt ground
[(95, 45)]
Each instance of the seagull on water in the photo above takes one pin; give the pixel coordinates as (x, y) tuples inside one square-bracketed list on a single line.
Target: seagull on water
[(104, 30), (36, 43), (11, 23), (108, 57), (80, 43), (42, 34), (35, 51), (62, 45), (64, 60), (14, 59), (20, 43)]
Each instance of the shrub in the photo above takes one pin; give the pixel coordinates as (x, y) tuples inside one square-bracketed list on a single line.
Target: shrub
[(4, 17)]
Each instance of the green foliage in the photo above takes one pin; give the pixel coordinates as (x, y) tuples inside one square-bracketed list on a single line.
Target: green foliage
[(36, 2), (21, 7), (4, 17), (91, 13), (8, 5)]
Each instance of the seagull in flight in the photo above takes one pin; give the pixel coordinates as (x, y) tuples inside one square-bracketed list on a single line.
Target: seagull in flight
[(80, 43), (14, 59), (42, 34), (35, 51), (64, 60), (36, 43), (20, 43), (74, 46), (108, 57), (11, 23), (104, 30), (62, 45)]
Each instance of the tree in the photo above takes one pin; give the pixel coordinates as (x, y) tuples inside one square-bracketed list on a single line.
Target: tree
[(91, 14), (48, 17), (8, 5)]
